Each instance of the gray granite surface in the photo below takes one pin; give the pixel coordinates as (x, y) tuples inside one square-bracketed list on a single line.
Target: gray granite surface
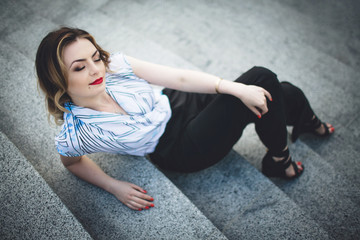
[(29, 208), (244, 204), (325, 190), (312, 44)]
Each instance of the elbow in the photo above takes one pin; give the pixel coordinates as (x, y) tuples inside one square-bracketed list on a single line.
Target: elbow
[(69, 161), (181, 82)]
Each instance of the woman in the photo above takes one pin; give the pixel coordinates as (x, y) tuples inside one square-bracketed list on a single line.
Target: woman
[(105, 104)]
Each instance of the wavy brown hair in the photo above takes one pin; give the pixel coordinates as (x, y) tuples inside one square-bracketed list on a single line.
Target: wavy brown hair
[(51, 70)]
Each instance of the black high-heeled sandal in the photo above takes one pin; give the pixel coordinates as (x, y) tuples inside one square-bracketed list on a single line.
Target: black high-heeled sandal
[(310, 127), (315, 123), (272, 168)]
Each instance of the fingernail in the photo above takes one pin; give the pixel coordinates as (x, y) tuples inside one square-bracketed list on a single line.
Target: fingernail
[(259, 116), (151, 199), (145, 191), (152, 205), (140, 209), (270, 99), (146, 207)]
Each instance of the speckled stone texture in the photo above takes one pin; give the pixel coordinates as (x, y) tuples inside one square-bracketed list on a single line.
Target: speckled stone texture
[(244, 204), (312, 44), (29, 209)]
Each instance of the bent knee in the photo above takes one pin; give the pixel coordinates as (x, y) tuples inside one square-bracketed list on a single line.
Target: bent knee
[(293, 94), (291, 89), (260, 76), (266, 78)]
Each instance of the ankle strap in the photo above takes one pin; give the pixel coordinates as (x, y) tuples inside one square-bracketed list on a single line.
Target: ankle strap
[(315, 123), (280, 154)]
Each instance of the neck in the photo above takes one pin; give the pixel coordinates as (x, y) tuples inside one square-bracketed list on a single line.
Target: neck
[(96, 102)]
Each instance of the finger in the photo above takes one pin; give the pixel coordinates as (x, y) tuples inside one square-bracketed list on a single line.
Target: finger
[(139, 203), (143, 196), (138, 188), (256, 111), (264, 109), (268, 95), (142, 203), (129, 205), (136, 205)]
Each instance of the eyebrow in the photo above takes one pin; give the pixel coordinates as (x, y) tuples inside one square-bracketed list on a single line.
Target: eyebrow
[(82, 59)]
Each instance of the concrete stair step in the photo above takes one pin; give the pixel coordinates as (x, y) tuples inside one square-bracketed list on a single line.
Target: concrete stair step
[(329, 26), (29, 208), (322, 192), (341, 151), (101, 214), (244, 204), (221, 38), (327, 194)]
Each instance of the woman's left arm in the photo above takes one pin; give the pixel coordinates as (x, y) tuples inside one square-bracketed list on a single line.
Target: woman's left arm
[(194, 81)]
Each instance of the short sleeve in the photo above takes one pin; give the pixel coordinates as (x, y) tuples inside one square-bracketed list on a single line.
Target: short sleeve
[(66, 141), (118, 63), (120, 72)]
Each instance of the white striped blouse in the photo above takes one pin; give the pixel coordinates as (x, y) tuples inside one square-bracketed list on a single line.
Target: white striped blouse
[(87, 131)]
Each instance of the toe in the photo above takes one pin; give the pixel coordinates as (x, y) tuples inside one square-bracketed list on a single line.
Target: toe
[(330, 127), (299, 166)]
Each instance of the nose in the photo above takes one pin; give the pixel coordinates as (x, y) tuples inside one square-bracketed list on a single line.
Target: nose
[(94, 69)]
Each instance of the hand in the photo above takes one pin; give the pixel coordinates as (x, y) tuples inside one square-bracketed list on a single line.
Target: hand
[(131, 195), (254, 98)]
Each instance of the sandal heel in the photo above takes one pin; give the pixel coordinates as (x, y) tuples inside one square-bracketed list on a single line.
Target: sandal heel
[(272, 168)]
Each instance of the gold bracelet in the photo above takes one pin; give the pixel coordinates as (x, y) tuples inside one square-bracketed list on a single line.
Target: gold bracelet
[(217, 85)]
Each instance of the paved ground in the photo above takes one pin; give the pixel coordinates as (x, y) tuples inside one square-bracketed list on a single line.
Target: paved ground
[(312, 44)]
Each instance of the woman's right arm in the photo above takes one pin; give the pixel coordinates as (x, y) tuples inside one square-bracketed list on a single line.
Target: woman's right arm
[(131, 195)]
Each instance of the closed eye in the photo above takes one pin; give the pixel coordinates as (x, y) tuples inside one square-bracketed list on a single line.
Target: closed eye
[(79, 69)]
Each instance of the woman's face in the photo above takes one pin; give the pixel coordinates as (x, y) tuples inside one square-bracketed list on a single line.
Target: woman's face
[(86, 71)]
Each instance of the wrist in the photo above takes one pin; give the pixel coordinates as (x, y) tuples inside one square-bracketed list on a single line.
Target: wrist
[(111, 185), (217, 85), (232, 88)]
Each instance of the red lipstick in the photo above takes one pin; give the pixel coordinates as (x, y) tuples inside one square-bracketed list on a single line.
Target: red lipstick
[(97, 81)]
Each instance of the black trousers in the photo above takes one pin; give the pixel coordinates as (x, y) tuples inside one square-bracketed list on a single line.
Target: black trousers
[(205, 127)]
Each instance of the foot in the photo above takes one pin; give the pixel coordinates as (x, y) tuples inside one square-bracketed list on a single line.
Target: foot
[(322, 129), (290, 171), (281, 166)]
